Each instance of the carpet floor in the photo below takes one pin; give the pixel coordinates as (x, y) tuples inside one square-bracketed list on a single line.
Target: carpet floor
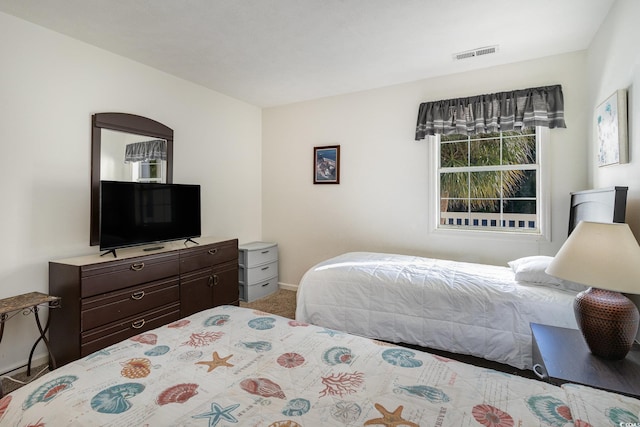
[(281, 302), (13, 382)]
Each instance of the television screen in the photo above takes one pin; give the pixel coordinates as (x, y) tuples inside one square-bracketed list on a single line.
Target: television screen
[(133, 213)]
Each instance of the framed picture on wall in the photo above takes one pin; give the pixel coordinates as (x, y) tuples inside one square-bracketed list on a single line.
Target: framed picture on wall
[(611, 130), (326, 164)]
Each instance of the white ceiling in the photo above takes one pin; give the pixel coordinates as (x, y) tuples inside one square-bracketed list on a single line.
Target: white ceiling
[(273, 52)]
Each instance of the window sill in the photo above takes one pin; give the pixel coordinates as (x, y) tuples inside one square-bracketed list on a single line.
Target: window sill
[(536, 236)]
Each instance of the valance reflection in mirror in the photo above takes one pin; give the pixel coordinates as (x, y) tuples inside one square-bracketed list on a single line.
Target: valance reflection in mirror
[(131, 157)]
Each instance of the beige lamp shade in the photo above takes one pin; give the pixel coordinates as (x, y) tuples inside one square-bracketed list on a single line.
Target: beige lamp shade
[(601, 255)]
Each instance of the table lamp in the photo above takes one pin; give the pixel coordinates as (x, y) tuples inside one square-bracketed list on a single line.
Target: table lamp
[(605, 257)]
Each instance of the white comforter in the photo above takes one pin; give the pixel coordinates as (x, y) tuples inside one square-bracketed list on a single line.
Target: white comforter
[(454, 306)]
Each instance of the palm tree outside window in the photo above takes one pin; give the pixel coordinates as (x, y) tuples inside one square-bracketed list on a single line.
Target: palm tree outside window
[(490, 181)]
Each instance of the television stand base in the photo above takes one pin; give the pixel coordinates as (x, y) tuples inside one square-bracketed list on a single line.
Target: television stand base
[(190, 240), (112, 251)]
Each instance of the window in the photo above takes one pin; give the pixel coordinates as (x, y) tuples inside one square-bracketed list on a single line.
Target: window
[(490, 182), (148, 171)]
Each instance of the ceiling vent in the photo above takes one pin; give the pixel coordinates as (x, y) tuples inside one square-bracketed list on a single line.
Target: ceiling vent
[(475, 52)]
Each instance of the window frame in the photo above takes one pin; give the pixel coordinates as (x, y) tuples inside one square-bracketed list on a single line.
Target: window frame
[(138, 167), (543, 195)]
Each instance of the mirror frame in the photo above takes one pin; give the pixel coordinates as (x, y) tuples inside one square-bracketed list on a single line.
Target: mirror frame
[(123, 122)]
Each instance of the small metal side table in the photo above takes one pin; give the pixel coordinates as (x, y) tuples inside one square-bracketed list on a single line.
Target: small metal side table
[(29, 303)]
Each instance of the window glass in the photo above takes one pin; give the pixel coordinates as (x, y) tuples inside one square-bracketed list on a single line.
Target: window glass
[(149, 171), (489, 181)]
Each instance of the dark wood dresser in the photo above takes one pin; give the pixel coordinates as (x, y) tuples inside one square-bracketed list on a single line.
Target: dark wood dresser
[(106, 300)]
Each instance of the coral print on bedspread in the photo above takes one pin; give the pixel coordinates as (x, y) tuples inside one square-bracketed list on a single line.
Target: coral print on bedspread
[(231, 366)]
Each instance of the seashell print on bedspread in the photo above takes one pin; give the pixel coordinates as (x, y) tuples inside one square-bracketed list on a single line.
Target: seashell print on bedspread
[(231, 366)]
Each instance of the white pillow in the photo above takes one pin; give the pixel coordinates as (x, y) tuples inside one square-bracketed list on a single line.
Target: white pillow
[(531, 270)]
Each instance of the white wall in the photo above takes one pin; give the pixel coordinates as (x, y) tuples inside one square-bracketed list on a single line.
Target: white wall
[(382, 201), (50, 85), (614, 63)]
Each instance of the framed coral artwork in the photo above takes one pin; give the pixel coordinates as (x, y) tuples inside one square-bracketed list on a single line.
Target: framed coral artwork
[(611, 130)]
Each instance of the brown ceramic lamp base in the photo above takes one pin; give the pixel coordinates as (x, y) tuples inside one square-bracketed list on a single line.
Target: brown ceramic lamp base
[(608, 321)]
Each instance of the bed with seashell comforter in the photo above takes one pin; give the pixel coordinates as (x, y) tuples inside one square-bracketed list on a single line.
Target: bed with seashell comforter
[(233, 366)]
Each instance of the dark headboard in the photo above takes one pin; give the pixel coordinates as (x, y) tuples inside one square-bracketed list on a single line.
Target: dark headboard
[(601, 205)]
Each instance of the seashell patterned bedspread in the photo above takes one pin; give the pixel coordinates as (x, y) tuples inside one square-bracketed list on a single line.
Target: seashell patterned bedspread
[(232, 366)]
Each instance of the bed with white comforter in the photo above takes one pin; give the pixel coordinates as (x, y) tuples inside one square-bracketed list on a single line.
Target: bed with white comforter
[(466, 308)]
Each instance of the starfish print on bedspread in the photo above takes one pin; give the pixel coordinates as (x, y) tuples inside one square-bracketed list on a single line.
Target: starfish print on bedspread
[(218, 413), (390, 419), (216, 362)]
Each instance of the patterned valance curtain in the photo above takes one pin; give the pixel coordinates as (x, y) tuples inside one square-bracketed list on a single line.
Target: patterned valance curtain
[(504, 111), (145, 151)]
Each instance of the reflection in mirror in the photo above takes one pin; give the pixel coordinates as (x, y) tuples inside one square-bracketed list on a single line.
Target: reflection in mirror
[(130, 157), (127, 147)]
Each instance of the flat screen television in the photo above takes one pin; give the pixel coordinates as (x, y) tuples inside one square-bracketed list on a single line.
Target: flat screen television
[(133, 213)]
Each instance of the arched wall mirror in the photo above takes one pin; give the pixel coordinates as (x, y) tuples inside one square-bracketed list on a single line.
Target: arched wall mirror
[(126, 147)]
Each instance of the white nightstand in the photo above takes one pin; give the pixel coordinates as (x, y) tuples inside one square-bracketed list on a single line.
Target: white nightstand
[(258, 270)]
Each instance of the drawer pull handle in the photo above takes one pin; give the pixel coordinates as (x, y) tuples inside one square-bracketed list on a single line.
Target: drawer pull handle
[(265, 252), (539, 371), (137, 295), (137, 267), (213, 251), (265, 268), (138, 324), (266, 284), (213, 280)]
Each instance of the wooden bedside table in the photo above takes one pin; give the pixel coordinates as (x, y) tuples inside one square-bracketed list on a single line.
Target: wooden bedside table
[(561, 356)]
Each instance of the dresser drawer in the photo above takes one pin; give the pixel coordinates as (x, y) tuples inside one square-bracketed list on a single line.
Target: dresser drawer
[(115, 332), (100, 278), (257, 253), (260, 273), (193, 259), (106, 308)]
